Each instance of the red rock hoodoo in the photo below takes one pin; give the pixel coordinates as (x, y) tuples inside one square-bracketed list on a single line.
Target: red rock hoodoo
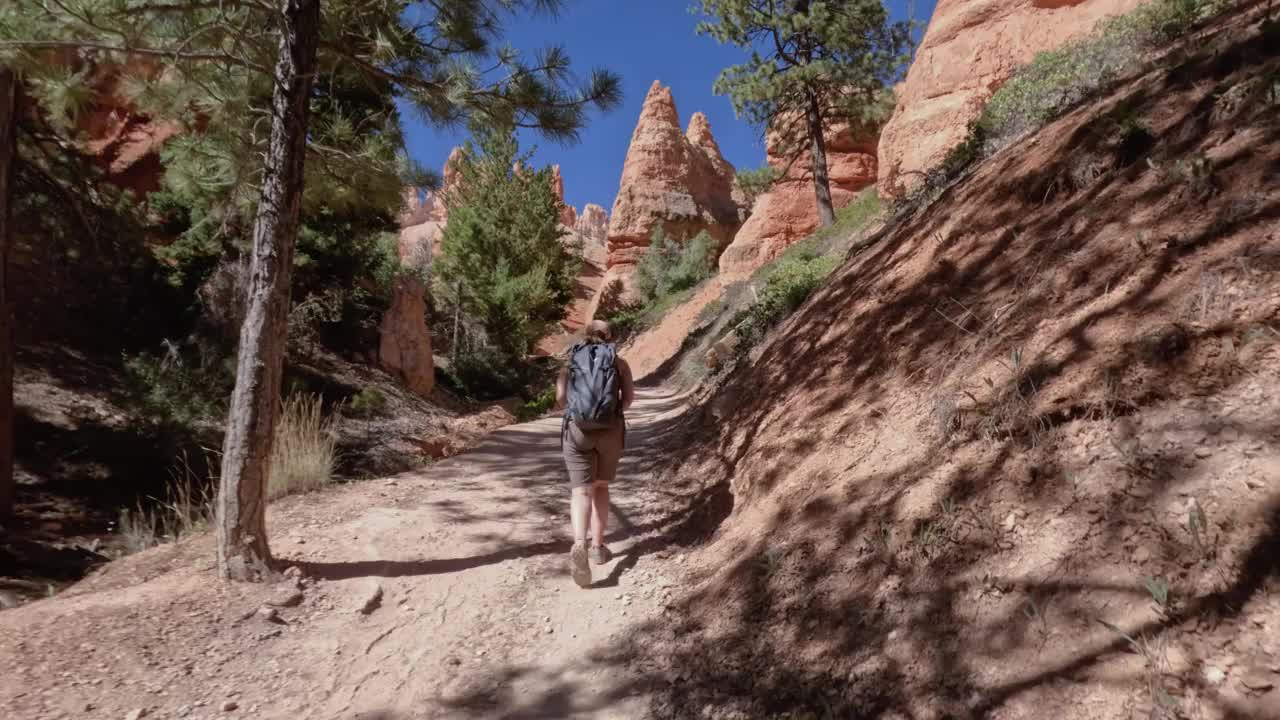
[(593, 223), (405, 347), (568, 215), (675, 180), (120, 139)]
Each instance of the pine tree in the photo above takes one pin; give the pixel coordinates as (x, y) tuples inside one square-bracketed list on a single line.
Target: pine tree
[(8, 151), (812, 63), (243, 552), (219, 59), (503, 256)]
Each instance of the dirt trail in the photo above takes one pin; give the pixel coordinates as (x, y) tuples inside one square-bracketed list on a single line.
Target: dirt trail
[(475, 613)]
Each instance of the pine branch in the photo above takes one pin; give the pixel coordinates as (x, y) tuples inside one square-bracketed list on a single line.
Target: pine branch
[(70, 198), (186, 7), (393, 77), (192, 55)]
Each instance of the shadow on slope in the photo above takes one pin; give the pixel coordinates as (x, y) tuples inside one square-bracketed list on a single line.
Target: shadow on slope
[(1018, 460)]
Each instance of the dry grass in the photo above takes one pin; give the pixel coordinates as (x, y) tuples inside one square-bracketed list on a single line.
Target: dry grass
[(304, 453), (1154, 651), (186, 509), (302, 459), (139, 529), (1211, 303)]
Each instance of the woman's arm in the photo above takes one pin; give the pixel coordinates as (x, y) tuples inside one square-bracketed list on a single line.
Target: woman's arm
[(628, 386), (562, 388)]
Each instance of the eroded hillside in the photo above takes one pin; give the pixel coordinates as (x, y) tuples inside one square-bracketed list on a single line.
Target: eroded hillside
[(1019, 457)]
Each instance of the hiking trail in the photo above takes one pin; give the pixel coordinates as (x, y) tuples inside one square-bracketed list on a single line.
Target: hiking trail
[(440, 593)]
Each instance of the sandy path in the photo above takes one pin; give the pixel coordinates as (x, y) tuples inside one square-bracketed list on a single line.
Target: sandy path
[(479, 617), (476, 615)]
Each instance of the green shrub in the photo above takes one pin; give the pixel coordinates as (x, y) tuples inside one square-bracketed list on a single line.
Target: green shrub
[(503, 256), (486, 374), (789, 284), (538, 406), (755, 183), (833, 240), (851, 221), (637, 318), (367, 402), (669, 268), (750, 308), (627, 322), (665, 277), (1056, 80), (170, 390), (305, 448)]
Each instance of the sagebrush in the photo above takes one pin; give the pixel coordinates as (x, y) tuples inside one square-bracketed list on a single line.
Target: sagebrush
[(537, 407)]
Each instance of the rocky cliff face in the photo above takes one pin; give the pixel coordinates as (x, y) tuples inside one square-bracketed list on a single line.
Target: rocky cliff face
[(405, 340), (969, 49), (788, 212), (568, 215), (593, 223), (428, 207), (675, 180), (122, 141), (405, 347)]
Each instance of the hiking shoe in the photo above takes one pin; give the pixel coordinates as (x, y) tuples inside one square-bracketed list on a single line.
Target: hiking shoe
[(600, 554), (578, 566)]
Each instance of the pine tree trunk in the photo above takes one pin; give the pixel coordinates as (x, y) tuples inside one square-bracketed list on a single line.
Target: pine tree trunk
[(818, 153), (457, 321), (243, 553), (8, 158)]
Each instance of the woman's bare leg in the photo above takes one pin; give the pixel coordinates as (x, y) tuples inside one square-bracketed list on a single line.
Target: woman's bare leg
[(580, 502), (600, 511), (580, 518)]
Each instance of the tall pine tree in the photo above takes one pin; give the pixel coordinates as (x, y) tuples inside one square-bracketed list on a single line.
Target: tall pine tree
[(8, 152), (813, 63)]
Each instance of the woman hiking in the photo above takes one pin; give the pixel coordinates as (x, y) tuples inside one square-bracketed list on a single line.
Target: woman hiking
[(594, 389)]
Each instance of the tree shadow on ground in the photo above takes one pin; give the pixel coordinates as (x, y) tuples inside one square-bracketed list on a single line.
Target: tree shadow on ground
[(525, 460), (919, 531)]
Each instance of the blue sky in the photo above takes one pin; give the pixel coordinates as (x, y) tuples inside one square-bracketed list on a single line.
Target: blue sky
[(642, 41)]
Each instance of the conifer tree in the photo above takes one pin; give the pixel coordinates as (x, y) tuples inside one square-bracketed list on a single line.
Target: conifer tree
[(503, 257), (247, 75), (812, 63), (8, 150)]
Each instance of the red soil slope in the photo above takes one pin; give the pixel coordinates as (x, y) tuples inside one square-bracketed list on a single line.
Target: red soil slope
[(974, 446)]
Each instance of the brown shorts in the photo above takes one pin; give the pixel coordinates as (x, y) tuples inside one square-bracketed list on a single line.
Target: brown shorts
[(592, 455)]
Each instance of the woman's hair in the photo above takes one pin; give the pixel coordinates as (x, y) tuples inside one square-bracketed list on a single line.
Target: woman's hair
[(598, 331)]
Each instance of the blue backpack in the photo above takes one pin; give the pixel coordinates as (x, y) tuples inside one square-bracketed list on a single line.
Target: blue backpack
[(593, 402)]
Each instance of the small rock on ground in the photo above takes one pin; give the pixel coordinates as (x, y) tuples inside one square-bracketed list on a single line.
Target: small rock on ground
[(374, 601), (288, 598)]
